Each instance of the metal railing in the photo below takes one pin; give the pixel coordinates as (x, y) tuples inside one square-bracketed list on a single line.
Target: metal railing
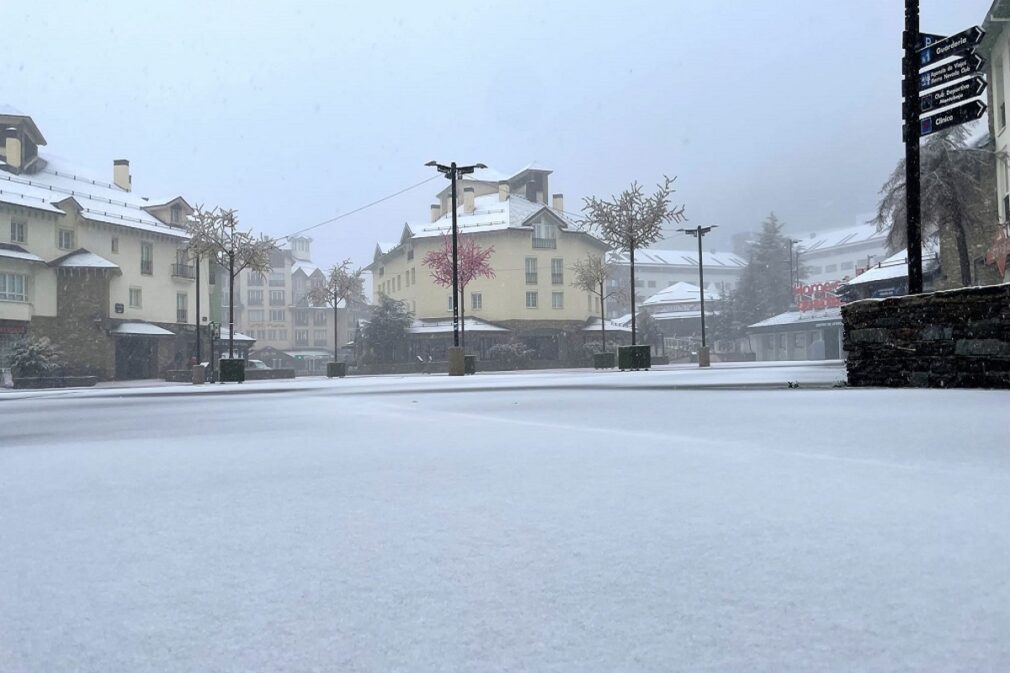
[(550, 243), (184, 270)]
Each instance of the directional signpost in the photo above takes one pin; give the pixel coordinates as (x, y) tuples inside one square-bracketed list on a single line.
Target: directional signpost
[(953, 94), (951, 106)]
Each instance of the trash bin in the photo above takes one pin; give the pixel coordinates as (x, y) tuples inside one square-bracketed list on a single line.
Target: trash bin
[(634, 357), (232, 370), (336, 369), (469, 364), (199, 374), (603, 360)]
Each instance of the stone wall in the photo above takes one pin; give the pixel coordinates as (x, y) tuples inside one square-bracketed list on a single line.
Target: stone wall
[(80, 329), (951, 339)]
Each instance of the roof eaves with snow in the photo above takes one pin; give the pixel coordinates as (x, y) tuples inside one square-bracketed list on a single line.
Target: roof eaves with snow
[(12, 251), (83, 259)]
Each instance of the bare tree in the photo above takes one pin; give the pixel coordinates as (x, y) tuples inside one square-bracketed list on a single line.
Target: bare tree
[(633, 220), (214, 234), (957, 188), (474, 262), (591, 276), (342, 285)]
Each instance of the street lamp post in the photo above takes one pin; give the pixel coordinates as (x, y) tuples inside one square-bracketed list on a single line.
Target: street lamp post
[(699, 233), (452, 172)]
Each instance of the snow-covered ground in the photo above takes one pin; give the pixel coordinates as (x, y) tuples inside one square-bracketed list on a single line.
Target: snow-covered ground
[(538, 522)]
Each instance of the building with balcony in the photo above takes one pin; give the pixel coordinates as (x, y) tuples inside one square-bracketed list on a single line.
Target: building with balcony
[(87, 262), (535, 244)]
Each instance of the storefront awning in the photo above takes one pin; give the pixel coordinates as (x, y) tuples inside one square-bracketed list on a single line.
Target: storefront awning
[(140, 329)]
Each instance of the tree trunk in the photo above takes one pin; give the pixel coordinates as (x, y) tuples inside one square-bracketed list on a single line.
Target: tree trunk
[(462, 318), (963, 258), (336, 339), (231, 304), (631, 251), (603, 318)]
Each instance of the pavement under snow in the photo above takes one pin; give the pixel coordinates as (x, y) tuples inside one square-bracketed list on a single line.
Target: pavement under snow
[(572, 521)]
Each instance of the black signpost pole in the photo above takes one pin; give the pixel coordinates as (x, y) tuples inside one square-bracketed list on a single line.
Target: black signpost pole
[(910, 72)]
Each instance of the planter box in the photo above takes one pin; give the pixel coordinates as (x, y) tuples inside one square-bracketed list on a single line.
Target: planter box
[(661, 360), (336, 370), (469, 364), (604, 360), (37, 382), (268, 374), (634, 357), (232, 370)]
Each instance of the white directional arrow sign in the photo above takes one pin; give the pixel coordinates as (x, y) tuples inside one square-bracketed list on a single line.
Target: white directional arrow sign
[(949, 95), (955, 45)]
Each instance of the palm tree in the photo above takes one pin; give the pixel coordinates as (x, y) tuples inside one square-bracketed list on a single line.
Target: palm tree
[(957, 194)]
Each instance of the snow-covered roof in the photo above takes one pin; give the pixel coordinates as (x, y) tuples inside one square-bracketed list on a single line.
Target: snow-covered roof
[(680, 315), (681, 292), (828, 315), (11, 251), (99, 201), (445, 326), (834, 238), (140, 329), (685, 258), (594, 326), (83, 259), (490, 214), (311, 353), (308, 268), (226, 331), (896, 266)]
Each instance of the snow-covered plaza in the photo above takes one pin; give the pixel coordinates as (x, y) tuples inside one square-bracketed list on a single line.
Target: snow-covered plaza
[(677, 520)]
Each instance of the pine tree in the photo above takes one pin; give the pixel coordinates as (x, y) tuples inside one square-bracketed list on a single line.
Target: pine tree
[(764, 288)]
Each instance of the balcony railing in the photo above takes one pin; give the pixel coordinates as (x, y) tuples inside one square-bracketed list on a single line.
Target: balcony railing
[(550, 243), (184, 271)]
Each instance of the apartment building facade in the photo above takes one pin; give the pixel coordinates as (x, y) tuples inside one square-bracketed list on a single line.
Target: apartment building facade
[(102, 272), (530, 299)]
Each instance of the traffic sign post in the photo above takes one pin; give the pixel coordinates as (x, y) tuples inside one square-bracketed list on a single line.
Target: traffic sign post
[(954, 105), (962, 67), (952, 95)]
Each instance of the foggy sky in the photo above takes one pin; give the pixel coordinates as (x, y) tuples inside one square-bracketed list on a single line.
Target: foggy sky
[(295, 112)]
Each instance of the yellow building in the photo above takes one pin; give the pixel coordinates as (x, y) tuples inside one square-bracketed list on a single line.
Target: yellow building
[(101, 271), (530, 299)]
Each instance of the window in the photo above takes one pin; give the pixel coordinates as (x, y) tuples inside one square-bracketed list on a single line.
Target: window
[(449, 303), (476, 301), (319, 318), (799, 339), (301, 337), (652, 283), (301, 318), (256, 315), (175, 215), (66, 239), (18, 231), (272, 335), (544, 235), (277, 297), (769, 342), (181, 307), (557, 271), (12, 287), (813, 269), (277, 315), (282, 334), (115, 244), (256, 279), (557, 299), (146, 258), (255, 297), (639, 283), (276, 279), (531, 300), (136, 298), (830, 268), (531, 270), (319, 337), (413, 276), (846, 266), (410, 254)]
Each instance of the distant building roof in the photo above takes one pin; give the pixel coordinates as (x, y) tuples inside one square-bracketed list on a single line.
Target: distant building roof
[(829, 316), (834, 238), (594, 326), (140, 329), (896, 266), (681, 292), (440, 326), (682, 258)]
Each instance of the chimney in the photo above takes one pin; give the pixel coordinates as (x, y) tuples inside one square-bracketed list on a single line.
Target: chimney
[(558, 202), (531, 191), (541, 198), (436, 211), (121, 174), (468, 201), (503, 191), (13, 149)]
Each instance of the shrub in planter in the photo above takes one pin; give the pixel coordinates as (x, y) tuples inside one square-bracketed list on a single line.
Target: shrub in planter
[(34, 358), (510, 356), (336, 370)]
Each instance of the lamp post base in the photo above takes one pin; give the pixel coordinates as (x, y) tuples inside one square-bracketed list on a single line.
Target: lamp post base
[(457, 363), (704, 357)]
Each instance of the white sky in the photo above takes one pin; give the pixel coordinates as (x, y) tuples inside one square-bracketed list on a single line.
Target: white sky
[(295, 112)]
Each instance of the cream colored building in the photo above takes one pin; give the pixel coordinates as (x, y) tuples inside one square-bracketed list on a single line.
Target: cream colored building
[(995, 48), (100, 270), (535, 245)]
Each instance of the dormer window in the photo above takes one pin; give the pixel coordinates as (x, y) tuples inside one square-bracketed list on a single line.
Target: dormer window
[(544, 234), (175, 215)]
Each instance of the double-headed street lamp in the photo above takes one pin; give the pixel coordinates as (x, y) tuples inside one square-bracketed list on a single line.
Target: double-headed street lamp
[(699, 233), (452, 173)]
